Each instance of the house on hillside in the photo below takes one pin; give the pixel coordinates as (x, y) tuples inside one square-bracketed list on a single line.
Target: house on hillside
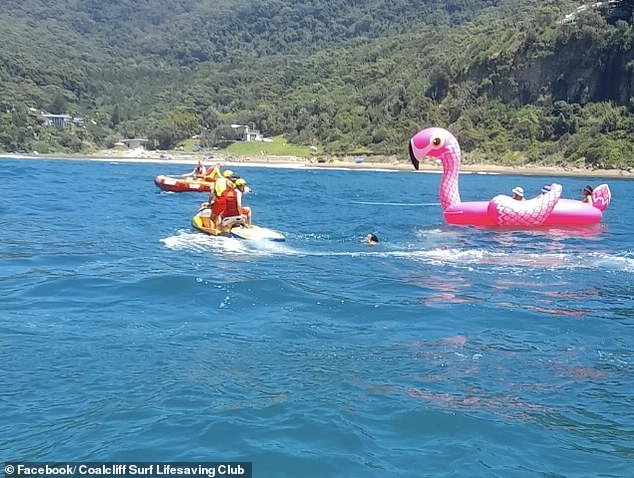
[(612, 5), (135, 143), (59, 121), (245, 133)]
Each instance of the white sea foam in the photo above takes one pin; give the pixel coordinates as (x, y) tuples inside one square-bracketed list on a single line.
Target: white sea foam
[(590, 260), (192, 241), (482, 258), (459, 257), (614, 262), (270, 247), (197, 242)]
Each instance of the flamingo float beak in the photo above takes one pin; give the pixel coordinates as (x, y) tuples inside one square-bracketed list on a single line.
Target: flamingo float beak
[(415, 162)]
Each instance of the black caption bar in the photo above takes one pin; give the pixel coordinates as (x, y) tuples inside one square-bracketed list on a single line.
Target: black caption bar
[(238, 469)]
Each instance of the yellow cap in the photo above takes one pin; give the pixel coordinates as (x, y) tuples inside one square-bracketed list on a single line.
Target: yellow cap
[(228, 173), (240, 182)]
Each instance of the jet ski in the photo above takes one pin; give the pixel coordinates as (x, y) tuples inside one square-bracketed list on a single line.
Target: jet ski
[(239, 228)]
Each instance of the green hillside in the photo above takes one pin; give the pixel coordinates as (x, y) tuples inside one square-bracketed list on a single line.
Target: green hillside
[(514, 82)]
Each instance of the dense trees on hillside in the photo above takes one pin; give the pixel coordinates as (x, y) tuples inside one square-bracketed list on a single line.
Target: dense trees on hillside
[(509, 78), (194, 31)]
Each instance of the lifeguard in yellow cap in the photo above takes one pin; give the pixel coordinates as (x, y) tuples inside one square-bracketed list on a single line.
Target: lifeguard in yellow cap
[(222, 185), (241, 188)]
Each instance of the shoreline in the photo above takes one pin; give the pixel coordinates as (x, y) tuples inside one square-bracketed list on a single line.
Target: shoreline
[(302, 163)]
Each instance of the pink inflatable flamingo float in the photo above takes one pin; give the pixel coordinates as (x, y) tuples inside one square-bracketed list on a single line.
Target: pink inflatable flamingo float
[(544, 210)]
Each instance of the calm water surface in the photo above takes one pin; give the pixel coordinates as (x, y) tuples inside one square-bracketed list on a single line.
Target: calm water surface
[(443, 351)]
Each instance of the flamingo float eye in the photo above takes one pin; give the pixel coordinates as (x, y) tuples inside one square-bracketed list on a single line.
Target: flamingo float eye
[(436, 141)]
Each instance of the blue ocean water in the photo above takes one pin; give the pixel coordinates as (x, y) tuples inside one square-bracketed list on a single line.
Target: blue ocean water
[(443, 351)]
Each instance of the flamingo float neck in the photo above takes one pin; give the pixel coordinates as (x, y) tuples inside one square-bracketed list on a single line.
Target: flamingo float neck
[(449, 191)]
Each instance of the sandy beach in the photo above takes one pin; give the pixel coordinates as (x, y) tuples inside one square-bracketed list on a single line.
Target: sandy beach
[(370, 164)]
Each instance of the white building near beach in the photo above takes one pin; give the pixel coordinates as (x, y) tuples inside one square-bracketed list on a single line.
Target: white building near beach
[(245, 133)]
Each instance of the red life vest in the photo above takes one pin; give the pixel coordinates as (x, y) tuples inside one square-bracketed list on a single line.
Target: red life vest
[(231, 209)]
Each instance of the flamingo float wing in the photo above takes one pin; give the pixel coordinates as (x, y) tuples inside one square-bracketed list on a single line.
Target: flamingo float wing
[(506, 211)]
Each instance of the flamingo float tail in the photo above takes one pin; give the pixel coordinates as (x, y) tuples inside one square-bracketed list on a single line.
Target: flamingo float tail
[(601, 197)]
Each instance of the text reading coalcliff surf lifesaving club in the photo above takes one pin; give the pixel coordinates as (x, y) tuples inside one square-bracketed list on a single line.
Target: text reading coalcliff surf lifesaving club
[(128, 470)]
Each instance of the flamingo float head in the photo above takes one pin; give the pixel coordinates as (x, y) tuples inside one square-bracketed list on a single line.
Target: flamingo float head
[(436, 142)]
